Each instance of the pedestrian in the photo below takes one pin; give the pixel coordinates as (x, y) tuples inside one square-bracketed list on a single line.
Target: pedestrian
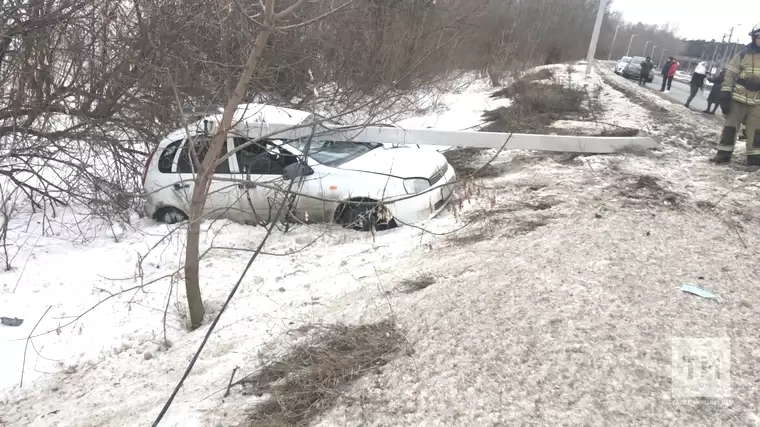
[(672, 73), (712, 98), (697, 81), (740, 101), (665, 70), (646, 67)]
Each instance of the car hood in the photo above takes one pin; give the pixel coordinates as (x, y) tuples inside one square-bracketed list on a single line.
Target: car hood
[(402, 162)]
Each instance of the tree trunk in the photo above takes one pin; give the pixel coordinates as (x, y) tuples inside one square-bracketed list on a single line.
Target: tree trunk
[(206, 172)]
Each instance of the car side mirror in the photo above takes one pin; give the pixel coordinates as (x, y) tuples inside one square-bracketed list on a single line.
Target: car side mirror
[(296, 170)]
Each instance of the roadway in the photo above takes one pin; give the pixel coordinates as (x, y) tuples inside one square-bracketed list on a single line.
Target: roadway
[(679, 93)]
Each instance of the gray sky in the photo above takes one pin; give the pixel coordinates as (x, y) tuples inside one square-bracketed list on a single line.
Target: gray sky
[(695, 19)]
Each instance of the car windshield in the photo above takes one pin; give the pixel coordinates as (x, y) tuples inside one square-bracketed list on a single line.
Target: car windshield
[(637, 60), (334, 153), (626, 59)]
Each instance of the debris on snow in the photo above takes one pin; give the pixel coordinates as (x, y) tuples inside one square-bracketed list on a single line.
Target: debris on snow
[(8, 321), (696, 290)]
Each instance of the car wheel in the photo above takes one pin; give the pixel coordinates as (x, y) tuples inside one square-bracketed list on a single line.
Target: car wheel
[(363, 215), (169, 215)]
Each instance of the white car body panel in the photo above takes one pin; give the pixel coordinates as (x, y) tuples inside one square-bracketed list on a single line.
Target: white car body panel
[(622, 63), (377, 174)]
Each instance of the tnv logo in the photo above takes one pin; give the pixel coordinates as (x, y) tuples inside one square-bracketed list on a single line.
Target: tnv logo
[(701, 367)]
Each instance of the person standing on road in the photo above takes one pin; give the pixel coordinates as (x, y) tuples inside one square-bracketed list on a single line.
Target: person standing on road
[(665, 71), (672, 73), (712, 98), (740, 101), (646, 67), (697, 81)]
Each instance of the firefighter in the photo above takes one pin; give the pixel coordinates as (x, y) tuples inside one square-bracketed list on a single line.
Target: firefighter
[(740, 102)]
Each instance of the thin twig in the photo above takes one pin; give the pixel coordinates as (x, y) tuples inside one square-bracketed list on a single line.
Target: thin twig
[(229, 385), (28, 338)]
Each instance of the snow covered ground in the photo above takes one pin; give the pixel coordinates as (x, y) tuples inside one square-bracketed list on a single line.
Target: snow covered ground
[(554, 297)]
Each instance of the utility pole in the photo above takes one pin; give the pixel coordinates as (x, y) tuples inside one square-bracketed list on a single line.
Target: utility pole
[(715, 53), (595, 36), (662, 55), (726, 58), (612, 46), (628, 52), (646, 46), (653, 49)]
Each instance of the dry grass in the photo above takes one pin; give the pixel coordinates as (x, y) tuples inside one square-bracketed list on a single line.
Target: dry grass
[(468, 162), (409, 286), (536, 105), (647, 190), (310, 378)]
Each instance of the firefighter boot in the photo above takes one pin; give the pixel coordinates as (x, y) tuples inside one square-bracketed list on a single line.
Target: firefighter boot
[(722, 157), (726, 147)]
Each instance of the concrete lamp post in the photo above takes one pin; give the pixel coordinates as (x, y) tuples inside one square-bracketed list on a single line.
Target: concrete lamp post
[(595, 36), (612, 45), (628, 51), (646, 46)]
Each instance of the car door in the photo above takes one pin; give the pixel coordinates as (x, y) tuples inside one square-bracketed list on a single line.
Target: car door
[(258, 172), (222, 195)]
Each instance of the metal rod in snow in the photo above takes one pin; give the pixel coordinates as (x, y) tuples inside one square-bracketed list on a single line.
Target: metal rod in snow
[(595, 36)]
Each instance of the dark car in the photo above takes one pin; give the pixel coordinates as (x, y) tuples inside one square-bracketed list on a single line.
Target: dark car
[(633, 69)]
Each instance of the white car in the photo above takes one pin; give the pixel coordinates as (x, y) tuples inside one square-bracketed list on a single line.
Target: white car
[(620, 67), (356, 184)]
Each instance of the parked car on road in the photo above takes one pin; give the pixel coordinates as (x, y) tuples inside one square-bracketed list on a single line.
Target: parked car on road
[(622, 64), (633, 69), (358, 184), (682, 76)]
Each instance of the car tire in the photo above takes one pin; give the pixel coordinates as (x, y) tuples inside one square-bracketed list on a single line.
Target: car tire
[(362, 215), (169, 215)]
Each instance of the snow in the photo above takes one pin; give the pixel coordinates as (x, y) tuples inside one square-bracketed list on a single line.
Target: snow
[(555, 305), (460, 110)]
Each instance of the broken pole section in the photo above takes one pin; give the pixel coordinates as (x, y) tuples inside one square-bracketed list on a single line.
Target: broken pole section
[(469, 139)]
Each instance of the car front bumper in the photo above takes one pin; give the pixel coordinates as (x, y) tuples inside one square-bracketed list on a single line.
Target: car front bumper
[(427, 204)]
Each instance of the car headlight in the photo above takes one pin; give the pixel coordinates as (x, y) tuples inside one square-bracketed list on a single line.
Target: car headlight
[(416, 185)]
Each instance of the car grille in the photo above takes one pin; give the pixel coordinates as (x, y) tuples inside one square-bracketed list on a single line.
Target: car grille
[(439, 174)]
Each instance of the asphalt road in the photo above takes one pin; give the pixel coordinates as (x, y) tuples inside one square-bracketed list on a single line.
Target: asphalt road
[(679, 93)]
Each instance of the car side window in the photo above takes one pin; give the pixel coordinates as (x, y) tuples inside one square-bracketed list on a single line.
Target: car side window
[(262, 157), (185, 163), (166, 160)]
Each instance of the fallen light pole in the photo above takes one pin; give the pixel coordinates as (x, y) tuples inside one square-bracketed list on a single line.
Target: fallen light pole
[(471, 139)]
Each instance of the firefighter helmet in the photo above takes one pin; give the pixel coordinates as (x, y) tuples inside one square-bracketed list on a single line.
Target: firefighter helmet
[(755, 31)]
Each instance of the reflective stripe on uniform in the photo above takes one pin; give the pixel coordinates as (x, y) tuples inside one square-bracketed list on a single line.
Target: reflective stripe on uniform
[(740, 97), (753, 151), (729, 148)]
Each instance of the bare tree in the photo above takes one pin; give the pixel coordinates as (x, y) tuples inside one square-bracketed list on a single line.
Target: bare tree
[(206, 168)]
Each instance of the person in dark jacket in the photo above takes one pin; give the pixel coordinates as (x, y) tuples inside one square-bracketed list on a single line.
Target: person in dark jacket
[(646, 67), (712, 98), (697, 81), (665, 70)]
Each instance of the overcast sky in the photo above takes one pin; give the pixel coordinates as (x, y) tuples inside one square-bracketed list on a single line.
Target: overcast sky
[(695, 19)]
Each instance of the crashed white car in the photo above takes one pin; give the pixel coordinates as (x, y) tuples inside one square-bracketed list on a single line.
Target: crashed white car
[(358, 184)]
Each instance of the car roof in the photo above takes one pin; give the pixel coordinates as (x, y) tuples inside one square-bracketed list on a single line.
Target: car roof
[(256, 113)]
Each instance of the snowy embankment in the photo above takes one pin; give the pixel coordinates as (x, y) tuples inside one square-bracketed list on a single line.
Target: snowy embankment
[(102, 334), (549, 295)]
